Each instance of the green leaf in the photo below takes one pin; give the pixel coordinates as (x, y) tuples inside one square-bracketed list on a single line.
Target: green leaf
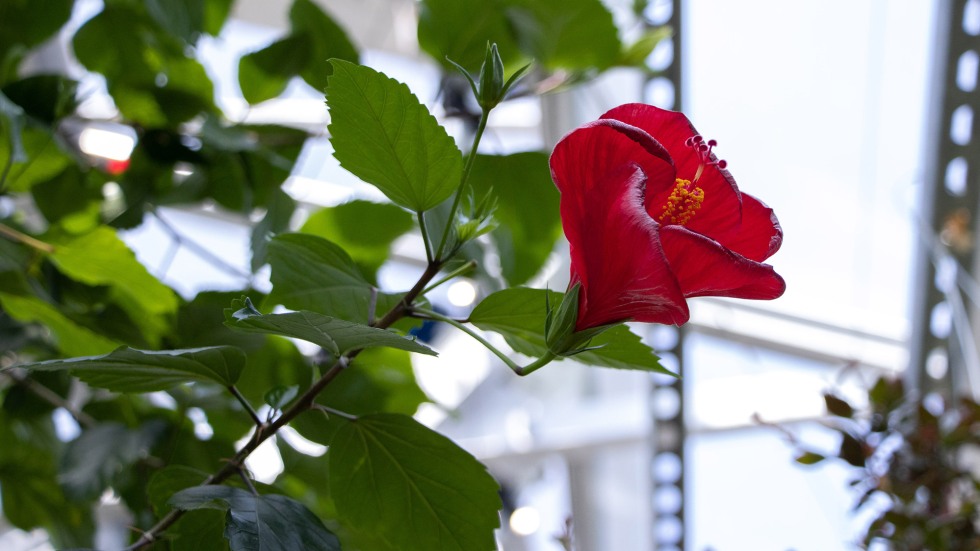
[(383, 135), (101, 258), (837, 406), (280, 396), (519, 315), (69, 200), (412, 487), (260, 522), (328, 40), (526, 212), (102, 455), (130, 370), (182, 18), (809, 458), (460, 30), (37, 157), (636, 54), (334, 335), (311, 273), (278, 214), (72, 339), (264, 74), (23, 25), (201, 531), (364, 229), (568, 34), (46, 98)]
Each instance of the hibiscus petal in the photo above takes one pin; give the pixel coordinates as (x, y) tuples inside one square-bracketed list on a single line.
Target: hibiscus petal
[(615, 251), (759, 235), (704, 267)]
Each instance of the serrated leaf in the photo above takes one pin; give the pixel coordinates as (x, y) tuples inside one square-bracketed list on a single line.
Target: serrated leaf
[(311, 273), (71, 339), (328, 40), (129, 370), (260, 522), (526, 210), (334, 335), (382, 134), (519, 315), (411, 486)]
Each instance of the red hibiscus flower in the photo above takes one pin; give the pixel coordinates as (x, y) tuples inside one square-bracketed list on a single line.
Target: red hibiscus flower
[(653, 218)]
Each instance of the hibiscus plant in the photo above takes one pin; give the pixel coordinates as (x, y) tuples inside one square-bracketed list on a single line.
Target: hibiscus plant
[(114, 387)]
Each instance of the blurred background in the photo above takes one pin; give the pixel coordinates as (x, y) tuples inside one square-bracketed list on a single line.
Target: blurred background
[(852, 119)]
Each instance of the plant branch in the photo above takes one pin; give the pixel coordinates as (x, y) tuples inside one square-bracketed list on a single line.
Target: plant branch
[(20, 237), (425, 236), (302, 404), (484, 117), (465, 268), (50, 397)]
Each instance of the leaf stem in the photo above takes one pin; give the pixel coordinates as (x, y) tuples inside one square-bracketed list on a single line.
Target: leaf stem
[(465, 268), (248, 407), (331, 411), (15, 235), (520, 370), (425, 236), (484, 117)]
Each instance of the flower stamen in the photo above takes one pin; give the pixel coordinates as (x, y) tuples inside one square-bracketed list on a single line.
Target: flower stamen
[(683, 203), (703, 149)]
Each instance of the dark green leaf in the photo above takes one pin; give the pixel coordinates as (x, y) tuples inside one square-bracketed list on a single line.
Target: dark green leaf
[(37, 157), (526, 213), (311, 273), (68, 195), (264, 74), (43, 97), (328, 40), (460, 30), (277, 216), (852, 450), (260, 522), (364, 229), (129, 370), (568, 34), (334, 335), (23, 24), (96, 459), (182, 18), (168, 481), (383, 135), (411, 486), (519, 315), (838, 407)]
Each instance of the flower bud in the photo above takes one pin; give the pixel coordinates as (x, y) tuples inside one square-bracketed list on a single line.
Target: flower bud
[(491, 88)]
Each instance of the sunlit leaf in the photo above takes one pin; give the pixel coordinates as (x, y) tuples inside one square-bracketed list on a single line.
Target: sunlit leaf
[(72, 339), (383, 135), (411, 486)]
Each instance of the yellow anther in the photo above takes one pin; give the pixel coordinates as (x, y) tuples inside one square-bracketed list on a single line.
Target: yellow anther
[(682, 204)]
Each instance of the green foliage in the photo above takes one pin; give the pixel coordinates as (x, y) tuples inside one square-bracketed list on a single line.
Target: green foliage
[(266, 522), (908, 450), (519, 315), (383, 135), (129, 370), (164, 388), (411, 487)]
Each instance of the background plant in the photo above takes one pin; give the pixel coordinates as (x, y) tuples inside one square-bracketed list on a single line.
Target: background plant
[(147, 362), (911, 456)]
